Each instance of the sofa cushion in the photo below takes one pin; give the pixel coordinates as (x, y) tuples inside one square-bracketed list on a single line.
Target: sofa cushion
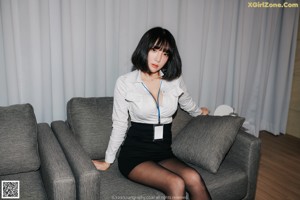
[(205, 140), (180, 120), (119, 187), (91, 121), (30, 185), (18, 139), (231, 181)]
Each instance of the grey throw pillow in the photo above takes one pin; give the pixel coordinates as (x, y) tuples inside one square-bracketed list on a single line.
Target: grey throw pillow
[(91, 121), (18, 140), (180, 120), (205, 140)]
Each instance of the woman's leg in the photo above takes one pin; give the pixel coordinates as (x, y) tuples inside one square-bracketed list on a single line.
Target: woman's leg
[(192, 179), (156, 176)]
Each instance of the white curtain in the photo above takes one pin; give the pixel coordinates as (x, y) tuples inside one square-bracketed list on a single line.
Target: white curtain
[(53, 50)]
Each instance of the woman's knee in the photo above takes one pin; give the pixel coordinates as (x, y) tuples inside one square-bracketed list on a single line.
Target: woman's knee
[(176, 185), (192, 178)]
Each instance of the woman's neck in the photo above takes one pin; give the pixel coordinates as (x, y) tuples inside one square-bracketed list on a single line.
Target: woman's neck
[(150, 77)]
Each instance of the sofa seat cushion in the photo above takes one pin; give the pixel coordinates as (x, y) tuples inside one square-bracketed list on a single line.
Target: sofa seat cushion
[(205, 140), (91, 122), (18, 139), (31, 185), (113, 185), (229, 183)]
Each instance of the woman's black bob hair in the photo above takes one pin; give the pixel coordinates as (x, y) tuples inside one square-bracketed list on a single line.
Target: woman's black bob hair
[(162, 39)]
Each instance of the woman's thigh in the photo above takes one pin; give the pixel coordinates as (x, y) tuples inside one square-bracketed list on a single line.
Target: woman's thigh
[(154, 175), (192, 179), (187, 173)]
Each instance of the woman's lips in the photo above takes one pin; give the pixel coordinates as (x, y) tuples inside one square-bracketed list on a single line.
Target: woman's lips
[(154, 65)]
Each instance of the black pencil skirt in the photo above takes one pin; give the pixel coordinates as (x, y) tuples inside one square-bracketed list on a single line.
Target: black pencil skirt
[(139, 147)]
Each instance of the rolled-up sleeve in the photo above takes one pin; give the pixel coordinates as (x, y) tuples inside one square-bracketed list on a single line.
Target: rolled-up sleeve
[(120, 120), (186, 102)]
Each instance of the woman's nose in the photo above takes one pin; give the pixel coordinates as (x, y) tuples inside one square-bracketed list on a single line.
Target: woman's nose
[(158, 56)]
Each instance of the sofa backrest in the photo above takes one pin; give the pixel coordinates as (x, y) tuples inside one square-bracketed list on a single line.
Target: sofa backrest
[(90, 119), (18, 140)]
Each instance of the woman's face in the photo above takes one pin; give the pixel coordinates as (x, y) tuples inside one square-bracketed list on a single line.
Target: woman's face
[(157, 58)]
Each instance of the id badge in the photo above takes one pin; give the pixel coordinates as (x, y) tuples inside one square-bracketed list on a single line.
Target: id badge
[(158, 132)]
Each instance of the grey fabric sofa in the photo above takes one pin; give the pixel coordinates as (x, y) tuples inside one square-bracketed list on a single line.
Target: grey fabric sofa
[(85, 135), (31, 155)]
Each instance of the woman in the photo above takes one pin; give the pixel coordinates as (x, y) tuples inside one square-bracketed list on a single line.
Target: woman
[(149, 95)]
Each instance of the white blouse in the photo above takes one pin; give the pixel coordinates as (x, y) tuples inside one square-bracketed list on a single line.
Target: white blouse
[(131, 98)]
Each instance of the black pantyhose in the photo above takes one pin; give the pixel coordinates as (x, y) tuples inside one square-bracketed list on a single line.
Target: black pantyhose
[(172, 177)]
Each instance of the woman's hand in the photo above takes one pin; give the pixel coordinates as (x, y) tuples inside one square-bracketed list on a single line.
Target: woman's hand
[(204, 111), (101, 165)]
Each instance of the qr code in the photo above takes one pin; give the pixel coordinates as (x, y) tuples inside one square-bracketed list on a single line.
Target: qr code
[(10, 189)]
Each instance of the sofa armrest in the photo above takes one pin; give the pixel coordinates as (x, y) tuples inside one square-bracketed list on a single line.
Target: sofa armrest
[(245, 152), (56, 173), (86, 175)]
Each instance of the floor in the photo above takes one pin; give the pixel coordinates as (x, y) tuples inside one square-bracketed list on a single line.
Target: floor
[(279, 172)]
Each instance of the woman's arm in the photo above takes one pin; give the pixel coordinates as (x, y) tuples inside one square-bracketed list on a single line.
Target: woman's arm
[(186, 102), (120, 125), (120, 120)]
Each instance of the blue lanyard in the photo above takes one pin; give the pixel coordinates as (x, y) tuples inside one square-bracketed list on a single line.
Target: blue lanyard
[(156, 101)]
